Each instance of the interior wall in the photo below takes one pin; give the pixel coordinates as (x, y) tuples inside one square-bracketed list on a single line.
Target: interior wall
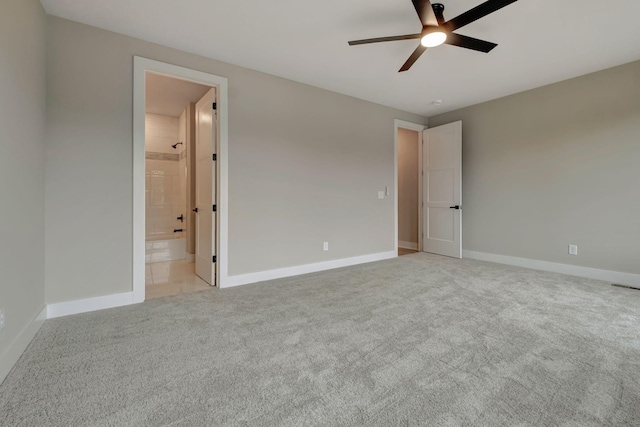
[(305, 165), (408, 168), (554, 166), (22, 130)]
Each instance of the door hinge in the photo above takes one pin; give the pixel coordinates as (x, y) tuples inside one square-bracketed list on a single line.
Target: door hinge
[(215, 208), (214, 258), (215, 106), (215, 157)]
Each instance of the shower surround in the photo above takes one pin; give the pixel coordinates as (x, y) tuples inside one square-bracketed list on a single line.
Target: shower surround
[(165, 190)]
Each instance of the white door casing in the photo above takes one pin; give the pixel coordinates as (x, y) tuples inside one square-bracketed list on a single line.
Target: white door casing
[(442, 187), (205, 187), (141, 66)]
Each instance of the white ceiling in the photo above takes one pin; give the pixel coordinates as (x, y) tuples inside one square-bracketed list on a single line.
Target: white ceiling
[(539, 42), (168, 96)]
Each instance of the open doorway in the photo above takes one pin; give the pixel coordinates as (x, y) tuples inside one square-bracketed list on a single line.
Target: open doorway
[(215, 236), (408, 186), (408, 190), (173, 112)]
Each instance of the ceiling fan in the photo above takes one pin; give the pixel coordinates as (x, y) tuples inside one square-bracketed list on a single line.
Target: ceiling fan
[(435, 31)]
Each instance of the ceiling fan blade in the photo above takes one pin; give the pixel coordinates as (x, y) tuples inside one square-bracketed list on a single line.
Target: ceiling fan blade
[(469, 42), (385, 39), (413, 58), (425, 12), (476, 13)]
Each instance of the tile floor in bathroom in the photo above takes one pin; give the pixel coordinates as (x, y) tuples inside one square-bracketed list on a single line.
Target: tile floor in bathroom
[(171, 278)]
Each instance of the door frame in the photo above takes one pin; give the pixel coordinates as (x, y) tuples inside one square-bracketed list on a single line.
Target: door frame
[(397, 124), (140, 67)]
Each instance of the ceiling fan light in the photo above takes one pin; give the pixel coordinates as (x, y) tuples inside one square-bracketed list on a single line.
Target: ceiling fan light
[(434, 39)]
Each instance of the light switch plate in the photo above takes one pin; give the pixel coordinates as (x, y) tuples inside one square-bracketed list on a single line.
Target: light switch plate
[(380, 194)]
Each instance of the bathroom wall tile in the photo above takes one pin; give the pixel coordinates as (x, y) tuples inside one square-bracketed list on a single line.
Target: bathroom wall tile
[(165, 180), (161, 132), (157, 182)]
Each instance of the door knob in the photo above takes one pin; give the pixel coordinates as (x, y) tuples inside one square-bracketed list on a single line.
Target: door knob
[(454, 207), (195, 210)]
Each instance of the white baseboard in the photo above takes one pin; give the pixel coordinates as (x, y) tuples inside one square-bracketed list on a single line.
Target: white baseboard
[(13, 352), (89, 304), (572, 270), (244, 279), (408, 245), (190, 257)]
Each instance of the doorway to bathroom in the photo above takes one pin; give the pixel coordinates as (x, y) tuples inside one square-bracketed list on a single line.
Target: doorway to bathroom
[(178, 126), (172, 118)]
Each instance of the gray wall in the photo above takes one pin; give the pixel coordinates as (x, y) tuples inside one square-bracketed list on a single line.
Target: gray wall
[(22, 123), (408, 168), (556, 165), (305, 165)]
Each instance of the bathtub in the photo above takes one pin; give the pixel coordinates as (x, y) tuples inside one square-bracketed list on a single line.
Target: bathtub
[(164, 248)]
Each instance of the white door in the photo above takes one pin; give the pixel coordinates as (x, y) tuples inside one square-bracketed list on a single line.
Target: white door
[(205, 187), (442, 190)]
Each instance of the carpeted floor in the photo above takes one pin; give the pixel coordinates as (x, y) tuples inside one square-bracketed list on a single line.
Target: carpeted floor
[(416, 340)]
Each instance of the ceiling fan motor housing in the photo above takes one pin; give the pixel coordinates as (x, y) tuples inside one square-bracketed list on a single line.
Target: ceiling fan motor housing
[(438, 9), (428, 29)]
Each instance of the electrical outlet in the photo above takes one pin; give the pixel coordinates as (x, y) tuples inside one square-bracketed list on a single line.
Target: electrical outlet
[(1, 318), (325, 246), (573, 249)]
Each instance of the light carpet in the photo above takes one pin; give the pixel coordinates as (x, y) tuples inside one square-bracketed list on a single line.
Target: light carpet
[(416, 340)]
